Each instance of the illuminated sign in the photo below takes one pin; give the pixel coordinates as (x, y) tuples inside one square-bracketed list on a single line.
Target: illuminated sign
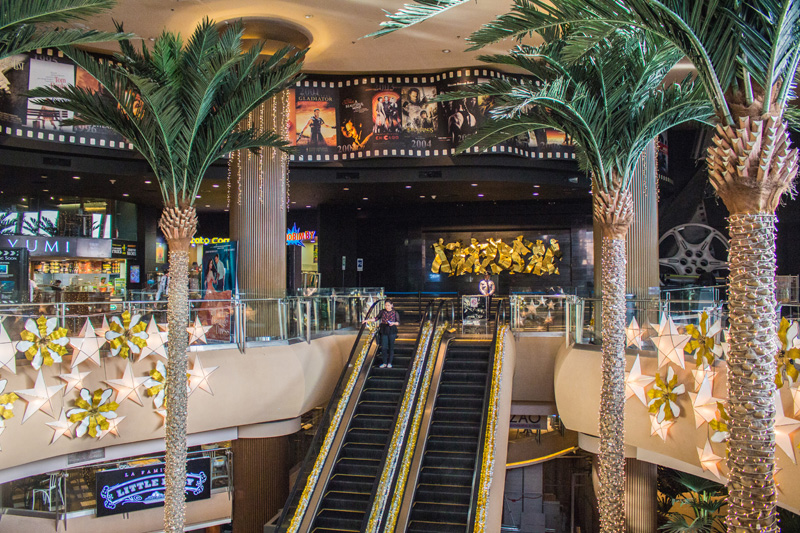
[(134, 489), (295, 237), (61, 246), (213, 240)]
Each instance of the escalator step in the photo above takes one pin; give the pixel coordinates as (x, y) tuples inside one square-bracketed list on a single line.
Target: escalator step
[(436, 493), (469, 390), (470, 365), (376, 383), (436, 444), (376, 408), (365, 436), (361, 470), (362, 450), (372, 422), (475, 404), (339, 520), (464, 377), (466, 416), (450, 460), (335, 502), (445, 428), (441, 512), (380, 396), (446, 476), (351, 484), (419, 526)]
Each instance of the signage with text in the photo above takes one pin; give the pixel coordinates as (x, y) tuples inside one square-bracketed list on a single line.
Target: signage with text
[(60, 246), (295, 237), (134, 489), (123, 250), (213, 240)]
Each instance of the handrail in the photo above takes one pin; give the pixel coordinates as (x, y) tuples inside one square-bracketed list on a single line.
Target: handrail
[(476, 474), (388, 513), (314, 448)]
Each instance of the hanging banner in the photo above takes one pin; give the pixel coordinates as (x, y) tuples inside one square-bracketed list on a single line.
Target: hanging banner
[(217, 282), (125, 490)]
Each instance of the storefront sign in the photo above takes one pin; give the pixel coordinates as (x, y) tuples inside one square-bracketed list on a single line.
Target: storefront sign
[(295, 237), (133, 489), (206, 240), (123, 250), (60, 246)]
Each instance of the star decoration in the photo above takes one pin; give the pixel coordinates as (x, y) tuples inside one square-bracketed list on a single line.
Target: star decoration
[(39, 398), (43, 341), (704, 404), (87, 345), (61, 427), (660, 428), (703, 341), (74, 379), (101, 331), (156, 340), (670, 345), (163, 414), (788, 353), (93, 410), (6, 403), (703, 373), (8, 351), (633, 334), (156, 383), (127, 386), (197, 332), (113, 427), (726, 344), (198, 376), (635, 381), (663, 397), (709, 460), (784, 427)]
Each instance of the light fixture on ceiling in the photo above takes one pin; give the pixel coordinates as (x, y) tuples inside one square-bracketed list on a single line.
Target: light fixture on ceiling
[(408, 186), (536, 194), (76, 177), (480, 195), (422, 196), (207, 205), (446, 51), (365, 198), (198, 196), (274, 34), (474, 184), (147, 182), (346, 189), (125, 194), (216, 185), (308, 206), (536, 186)]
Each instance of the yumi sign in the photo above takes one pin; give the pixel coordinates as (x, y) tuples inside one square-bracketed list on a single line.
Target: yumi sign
[(134, 489)]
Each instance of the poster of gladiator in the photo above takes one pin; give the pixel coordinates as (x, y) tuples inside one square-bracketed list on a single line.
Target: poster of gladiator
[(314, 124)]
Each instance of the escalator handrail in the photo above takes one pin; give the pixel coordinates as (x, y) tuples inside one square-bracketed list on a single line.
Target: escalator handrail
[(476, 474), (313, 450)]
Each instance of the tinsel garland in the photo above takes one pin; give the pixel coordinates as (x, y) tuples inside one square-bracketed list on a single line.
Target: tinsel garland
[(333, 427), (390, 464), (751, 371), (487, 465), (408, 453), (611, 497)]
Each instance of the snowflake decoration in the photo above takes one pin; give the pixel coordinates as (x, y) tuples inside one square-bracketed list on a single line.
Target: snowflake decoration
[(720, 424), (6, 403), (43, 342), (663, 397), (703, 342), (93, 411), (787, 353), (156, 384), (126, 335)]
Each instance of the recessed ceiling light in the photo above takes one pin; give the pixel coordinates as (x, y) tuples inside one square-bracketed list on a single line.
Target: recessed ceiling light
[(446, 51), (309, 16), (346, 189), (365, 198), (216, 185), (474, 184), (208, 205), (359, 209), (148, 182), (536, 186), (480, 195), (44, 177), (227, 210), (76, 177), (294, 202), (408, 186), (198, 196), (308, 206), (45, 190), (52, 198), (536, 194), (125, 194), (422, 196)]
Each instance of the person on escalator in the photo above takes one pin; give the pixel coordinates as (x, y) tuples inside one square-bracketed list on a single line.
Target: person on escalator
[(388, 319)]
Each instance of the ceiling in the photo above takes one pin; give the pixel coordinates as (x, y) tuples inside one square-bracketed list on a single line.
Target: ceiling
[(335, 28)]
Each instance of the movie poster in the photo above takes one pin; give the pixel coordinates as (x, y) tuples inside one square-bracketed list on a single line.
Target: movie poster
[(356, 115), (314, 122), (44, 73), (465, 116), (218, 282), (420, 114)]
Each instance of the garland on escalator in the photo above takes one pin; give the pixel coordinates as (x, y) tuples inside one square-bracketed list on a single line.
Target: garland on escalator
[(336, 420), (487, 466)]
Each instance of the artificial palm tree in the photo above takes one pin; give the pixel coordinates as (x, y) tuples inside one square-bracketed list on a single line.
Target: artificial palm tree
[(26, 25), (747, 56), (180, 105)]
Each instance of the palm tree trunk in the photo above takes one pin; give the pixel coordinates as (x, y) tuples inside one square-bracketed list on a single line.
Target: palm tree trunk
[(613, 212), (751, 167), (179, 226)]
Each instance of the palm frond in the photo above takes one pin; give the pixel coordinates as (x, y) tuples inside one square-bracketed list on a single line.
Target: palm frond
[(495, 131), (21, 31), (411, 14)]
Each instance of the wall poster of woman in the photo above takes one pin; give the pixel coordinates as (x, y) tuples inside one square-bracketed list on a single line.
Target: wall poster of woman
[(218, 272)]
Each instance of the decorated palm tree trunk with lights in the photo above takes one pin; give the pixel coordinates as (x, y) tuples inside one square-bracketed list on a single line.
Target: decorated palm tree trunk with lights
[(190, 99)]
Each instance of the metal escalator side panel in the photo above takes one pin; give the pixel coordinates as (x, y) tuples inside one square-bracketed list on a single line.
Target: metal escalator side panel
[(312, 492), (404, 438), (398, 519)]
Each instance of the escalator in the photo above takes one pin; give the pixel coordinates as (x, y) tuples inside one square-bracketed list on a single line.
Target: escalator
[(347, 493), (444, 486)]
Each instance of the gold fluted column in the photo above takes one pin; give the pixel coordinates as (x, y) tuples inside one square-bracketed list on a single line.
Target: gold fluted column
[(257, 196), (640, 496), (642, 245)]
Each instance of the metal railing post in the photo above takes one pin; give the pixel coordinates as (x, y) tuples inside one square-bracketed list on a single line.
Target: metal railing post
[(308, 321)]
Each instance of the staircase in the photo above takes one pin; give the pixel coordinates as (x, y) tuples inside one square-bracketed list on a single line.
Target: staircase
[(443, 492), (347, 495)]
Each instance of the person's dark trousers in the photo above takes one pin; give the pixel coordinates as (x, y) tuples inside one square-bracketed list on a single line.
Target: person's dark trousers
[(387, 347)]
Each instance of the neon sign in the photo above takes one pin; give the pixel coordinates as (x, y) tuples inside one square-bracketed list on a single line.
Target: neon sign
[(206, 240), (295, 237)]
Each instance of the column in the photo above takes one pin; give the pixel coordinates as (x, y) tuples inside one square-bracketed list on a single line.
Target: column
[(258, 193), (640, 496), (642, 244)]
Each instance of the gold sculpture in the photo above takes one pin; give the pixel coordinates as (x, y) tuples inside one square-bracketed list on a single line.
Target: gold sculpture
[(497, 256)]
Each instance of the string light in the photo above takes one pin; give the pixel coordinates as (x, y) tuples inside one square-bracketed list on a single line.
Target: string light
[(751, 368)]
